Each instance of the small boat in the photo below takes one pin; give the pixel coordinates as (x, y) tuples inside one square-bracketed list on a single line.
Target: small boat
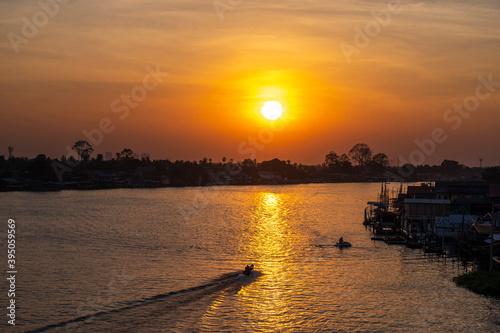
[(248, 270), (343, 244)]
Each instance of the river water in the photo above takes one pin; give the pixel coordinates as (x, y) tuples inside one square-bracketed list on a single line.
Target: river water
[(168, 260)]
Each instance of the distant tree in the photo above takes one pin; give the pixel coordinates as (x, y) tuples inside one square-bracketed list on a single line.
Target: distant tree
[(275, 165), (284, 169), (332, 160), (224, 160), (39, 168), (345, 163), (126, 154), (451, 167), (408, 171), (97, 163), (361, 154), (381, 159), (449, 164), (338, 163), (248, 162), (83, 149)]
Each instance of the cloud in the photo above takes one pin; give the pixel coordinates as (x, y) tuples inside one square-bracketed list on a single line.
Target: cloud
[(427, 57)]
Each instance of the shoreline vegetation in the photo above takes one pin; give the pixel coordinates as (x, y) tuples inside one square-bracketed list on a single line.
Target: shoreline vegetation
[(126, 170), (480, 282)]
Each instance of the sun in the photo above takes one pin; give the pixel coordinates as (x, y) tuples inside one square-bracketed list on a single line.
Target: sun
[(272, 110)]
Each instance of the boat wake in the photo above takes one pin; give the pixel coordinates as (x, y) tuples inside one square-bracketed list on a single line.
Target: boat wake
[(163, 310)]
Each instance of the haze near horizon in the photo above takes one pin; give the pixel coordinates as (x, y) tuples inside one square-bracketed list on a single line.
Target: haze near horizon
[(417, 80)]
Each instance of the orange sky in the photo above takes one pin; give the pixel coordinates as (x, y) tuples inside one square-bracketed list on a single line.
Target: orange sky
[(422, 58)]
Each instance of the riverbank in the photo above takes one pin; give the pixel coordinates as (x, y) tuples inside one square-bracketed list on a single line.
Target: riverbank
[(480, 282)]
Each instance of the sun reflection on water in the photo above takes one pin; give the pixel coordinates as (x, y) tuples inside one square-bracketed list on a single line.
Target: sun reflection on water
[(271, 244)]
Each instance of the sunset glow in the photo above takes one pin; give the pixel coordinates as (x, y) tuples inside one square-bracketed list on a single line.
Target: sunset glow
[(272, 110), (337, 83)]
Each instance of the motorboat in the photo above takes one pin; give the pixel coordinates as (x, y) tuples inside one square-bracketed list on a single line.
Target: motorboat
[(248, 270)]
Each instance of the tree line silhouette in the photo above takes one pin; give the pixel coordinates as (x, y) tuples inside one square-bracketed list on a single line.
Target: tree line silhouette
[(124, 170)]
